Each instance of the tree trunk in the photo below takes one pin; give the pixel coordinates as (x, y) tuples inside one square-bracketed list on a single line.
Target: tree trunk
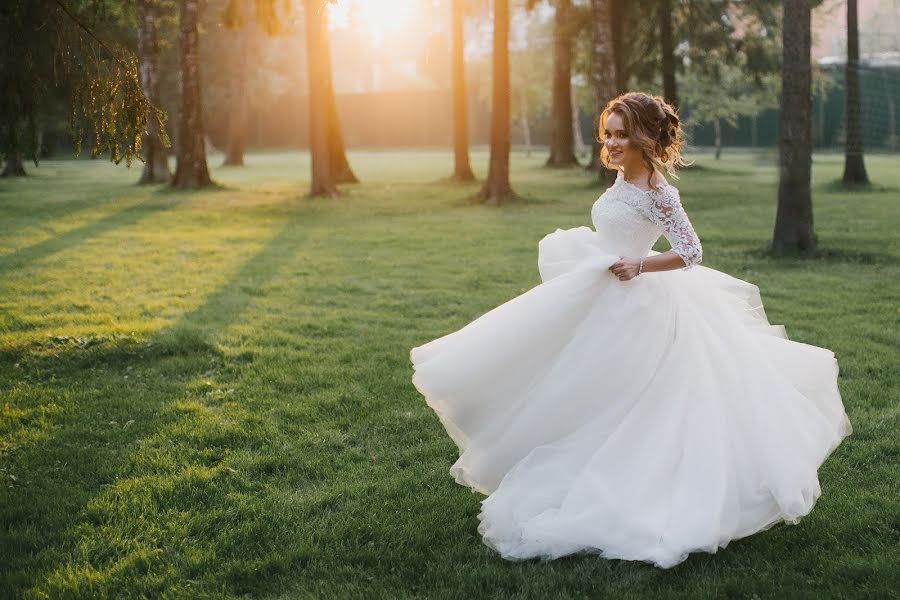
[(191, 171), (462, 170), (337, 155), (237, 113), (496, 189), (323, 182), (667, 48), (717, 128), (603, 74), (156, 164), (854, 165), (576, 129), (793, 232), (14, 166), (562, 143), (524, 123), (618, 15)]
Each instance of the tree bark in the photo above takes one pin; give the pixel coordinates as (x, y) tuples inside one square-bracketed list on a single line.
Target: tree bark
[(156, 164), (667, 48), (496, 189), (793, 232), (191, 171), (323, 182), (604, 76), (562, 142), (854, 164), (462, 169), (237, 113), (337, 155)]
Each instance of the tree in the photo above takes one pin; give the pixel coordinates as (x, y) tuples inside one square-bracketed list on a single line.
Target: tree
[(106, 98), (726, 93), (562, 141), (237, 18), (667, 49), (604, 75), (735, 75), (324, 181), (462, 169), (854, 165), (156, 164), (793, 232), (497, 189), (619, 18), (337, 155), (191, 170), (329, 163), (530, 68)]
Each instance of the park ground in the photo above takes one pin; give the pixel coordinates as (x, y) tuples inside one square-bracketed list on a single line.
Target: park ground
[(207, 395)]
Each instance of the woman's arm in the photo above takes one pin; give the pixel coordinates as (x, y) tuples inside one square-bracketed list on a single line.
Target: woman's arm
[(627, 268), (665, 210)]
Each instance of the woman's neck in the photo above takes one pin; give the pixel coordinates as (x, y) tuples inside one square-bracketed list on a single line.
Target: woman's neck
[(637, 173)]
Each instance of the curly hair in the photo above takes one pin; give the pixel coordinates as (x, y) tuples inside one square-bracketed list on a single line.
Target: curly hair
[(654, 127)]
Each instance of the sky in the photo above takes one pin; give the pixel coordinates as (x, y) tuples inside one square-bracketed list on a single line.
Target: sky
[(380, 18)]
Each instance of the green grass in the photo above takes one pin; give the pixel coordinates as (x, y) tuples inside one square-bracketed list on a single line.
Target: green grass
[(208, 395)]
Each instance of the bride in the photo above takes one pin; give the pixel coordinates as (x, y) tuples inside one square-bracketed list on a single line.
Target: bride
[(634, 404)]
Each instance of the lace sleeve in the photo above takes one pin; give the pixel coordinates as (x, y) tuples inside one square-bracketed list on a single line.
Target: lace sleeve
[(666, 211)]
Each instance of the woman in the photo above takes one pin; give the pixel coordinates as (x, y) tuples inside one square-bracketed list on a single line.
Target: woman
[(634, 404)]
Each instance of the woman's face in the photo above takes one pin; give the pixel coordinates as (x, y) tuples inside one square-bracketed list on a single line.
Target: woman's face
[(623, 153)]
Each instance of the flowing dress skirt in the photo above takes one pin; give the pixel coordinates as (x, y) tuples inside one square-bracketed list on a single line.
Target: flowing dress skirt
[(641, 420)]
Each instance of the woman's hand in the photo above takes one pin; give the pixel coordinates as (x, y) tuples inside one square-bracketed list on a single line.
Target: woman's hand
[(625, 268)]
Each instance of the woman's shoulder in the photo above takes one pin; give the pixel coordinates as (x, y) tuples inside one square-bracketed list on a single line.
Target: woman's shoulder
[(658, 183), (661, 192)]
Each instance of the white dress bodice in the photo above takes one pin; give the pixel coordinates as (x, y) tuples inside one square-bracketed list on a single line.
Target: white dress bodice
[(629, 220)]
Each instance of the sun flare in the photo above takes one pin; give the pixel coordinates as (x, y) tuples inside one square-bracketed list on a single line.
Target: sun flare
[(380, 18)]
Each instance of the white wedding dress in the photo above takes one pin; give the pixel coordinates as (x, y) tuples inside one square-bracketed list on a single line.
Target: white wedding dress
[(641, 419)]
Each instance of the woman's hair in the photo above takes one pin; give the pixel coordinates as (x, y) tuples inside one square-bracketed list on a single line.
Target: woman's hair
[(654, 127)]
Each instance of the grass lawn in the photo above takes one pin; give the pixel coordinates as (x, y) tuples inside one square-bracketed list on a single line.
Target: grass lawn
[(208, 395)]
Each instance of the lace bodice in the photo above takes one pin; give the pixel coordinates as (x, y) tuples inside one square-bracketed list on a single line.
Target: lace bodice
[(629, 220)]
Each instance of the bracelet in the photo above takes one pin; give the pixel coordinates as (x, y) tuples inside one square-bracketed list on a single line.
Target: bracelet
[(641, 268)]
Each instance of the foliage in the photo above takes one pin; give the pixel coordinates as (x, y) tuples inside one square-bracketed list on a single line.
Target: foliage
[(106, 99), (114, 108), (728, 92)]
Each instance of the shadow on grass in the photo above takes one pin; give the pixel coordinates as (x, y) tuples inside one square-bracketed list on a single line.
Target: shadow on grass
[(452, 181), (836, 186), (712, 168), (122, 218), (41, 520), (49, 212), (828, 255), (518, 201)]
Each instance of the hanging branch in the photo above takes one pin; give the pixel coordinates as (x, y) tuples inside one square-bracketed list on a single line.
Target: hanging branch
[(112, 101)]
